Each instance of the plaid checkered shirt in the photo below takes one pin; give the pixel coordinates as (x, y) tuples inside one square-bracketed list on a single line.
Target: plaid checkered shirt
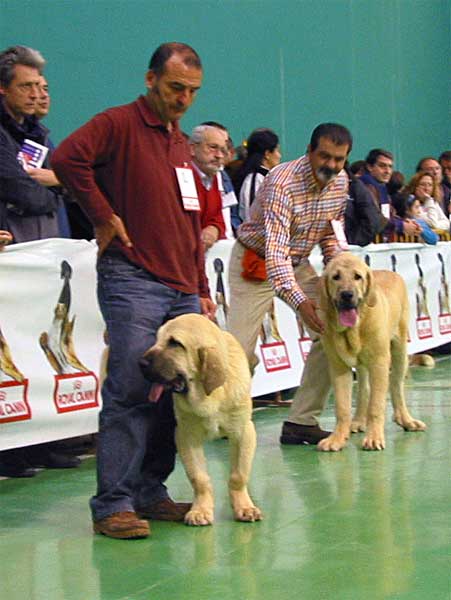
[(289, 216)]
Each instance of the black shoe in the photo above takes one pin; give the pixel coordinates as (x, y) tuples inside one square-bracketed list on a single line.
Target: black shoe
[(53, 460), (14, 463), (19, 470), (292, 433)]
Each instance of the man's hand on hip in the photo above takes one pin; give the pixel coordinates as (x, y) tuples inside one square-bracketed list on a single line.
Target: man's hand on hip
[(309, 316), (114, 228)]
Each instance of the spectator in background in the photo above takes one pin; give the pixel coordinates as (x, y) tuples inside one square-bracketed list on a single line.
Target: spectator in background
[(410, 207), (234, 165), (395, 184), (431, 165), (72, 220), (47, 176), (263, 153), (363, 219), (445, 163), (229, 200), (208, 150), (424, 187), (379, 169), (357, 168), (30, 197)]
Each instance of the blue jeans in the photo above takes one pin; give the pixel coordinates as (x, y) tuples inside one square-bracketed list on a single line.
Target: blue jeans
[(136, 449)]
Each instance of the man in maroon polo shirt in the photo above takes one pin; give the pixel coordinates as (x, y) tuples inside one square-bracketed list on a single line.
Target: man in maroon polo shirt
[(129, 169)]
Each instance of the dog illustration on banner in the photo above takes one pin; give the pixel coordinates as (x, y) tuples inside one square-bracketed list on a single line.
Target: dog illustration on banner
[(76, 386), (444, 316), (394, 262), (273, 348), (7, 366), (424, 323), (13, 387), (222, 308)]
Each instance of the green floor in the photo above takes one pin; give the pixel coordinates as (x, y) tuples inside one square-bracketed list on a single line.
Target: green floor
[(349, 526)]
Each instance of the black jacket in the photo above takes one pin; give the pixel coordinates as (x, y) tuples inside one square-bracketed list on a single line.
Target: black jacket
[(27, 208), (363, 219)]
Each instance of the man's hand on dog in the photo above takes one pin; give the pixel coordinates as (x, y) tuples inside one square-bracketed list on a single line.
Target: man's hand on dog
[(309, 316), (208, 308), (114, 228)]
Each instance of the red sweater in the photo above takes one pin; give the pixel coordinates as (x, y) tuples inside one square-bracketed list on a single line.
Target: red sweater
[(210, 202), (123, 161)]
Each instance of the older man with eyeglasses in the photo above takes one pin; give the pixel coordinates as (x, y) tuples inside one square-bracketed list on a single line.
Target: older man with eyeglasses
[(208, 152)]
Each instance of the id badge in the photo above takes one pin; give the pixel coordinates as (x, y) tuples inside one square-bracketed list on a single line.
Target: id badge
[(220, 182), (340, 234), (385, 209), (228, 198), (188, 189)]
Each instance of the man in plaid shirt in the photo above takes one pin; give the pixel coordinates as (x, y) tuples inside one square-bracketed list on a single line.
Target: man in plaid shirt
[(300, 204)]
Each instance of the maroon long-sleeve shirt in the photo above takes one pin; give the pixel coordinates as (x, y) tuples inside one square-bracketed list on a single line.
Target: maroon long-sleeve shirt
[(123, 162)]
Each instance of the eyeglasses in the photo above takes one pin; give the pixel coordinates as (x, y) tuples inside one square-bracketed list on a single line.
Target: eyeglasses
[(215, 148)]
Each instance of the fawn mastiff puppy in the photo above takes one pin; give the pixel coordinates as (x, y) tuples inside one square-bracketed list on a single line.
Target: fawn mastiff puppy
[(366, 317), (208, 373)]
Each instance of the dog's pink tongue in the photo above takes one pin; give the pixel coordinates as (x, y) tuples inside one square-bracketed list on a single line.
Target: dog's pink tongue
[(348, 317), (155, 392)]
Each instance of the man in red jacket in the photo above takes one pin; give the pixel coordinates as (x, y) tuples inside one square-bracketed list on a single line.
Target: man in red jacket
[(129, 169), (208, 150)]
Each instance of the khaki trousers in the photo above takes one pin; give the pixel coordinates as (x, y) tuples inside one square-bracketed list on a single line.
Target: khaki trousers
[(249, 302)]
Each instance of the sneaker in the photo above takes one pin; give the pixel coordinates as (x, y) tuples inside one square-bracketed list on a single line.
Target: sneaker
[(123, 526), (165, 510), (292, 433)]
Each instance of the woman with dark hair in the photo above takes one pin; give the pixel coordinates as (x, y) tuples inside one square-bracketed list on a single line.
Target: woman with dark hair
[(263, 153)]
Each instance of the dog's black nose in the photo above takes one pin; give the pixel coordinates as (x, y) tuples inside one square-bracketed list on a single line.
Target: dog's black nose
[(346, 296)]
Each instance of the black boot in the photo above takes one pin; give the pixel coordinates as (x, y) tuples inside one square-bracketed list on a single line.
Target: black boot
[(50, 457), (13, 463)]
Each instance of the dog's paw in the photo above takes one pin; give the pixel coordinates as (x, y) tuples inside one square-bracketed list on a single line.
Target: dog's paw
[(412, 425), (199, 517), (333, 443), (248, 514), (373, 442), (357, 426)]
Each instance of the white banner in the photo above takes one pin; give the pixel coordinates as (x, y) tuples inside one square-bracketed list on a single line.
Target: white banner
[(51, 331), (51, 338)]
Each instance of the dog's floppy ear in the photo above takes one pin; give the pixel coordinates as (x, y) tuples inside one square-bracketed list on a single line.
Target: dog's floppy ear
[(212, 369), (370, 292), (324, 296)]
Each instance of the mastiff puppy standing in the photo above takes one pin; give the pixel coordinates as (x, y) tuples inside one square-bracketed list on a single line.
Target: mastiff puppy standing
[(208, 373), (366, 317)]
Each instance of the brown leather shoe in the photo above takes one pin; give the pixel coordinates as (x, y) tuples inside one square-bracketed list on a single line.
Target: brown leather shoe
[(122, 525), (292, 433), (165, 510)]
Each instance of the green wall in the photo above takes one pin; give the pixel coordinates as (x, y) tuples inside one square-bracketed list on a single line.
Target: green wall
[(381, 67)]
